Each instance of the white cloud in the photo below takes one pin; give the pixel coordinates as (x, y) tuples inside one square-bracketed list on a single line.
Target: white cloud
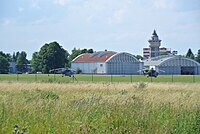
[(90, 18), (163, 4), (20, 9), (118, 15), (102, 22), (62, 2), (39, 21), (6, 22), (35, 4)]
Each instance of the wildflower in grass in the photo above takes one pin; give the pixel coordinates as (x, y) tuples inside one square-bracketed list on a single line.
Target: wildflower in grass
[(81, 127), (123, 92), (89, 128), (23, 131), (16, 131)]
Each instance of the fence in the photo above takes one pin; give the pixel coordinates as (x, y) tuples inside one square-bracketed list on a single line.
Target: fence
[(98, 78)]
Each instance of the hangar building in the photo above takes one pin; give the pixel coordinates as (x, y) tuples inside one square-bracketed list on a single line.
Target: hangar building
[(107, 62), (173, 64)]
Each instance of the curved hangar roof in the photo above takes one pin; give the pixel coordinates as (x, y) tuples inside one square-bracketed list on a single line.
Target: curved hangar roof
[(170, 60), (103, 56)]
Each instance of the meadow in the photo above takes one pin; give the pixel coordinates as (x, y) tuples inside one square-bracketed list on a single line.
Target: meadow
[(98, 78), (86, 107)]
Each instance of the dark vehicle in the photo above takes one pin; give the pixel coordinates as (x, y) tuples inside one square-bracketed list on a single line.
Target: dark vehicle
[(18, 72), (64, 71)]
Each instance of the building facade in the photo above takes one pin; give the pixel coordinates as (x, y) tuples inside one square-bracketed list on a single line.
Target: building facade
[(12, 67), (107, 62), (154, 49), (173, 64)]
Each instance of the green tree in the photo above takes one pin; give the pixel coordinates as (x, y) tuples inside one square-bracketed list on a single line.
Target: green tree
[(9, 57), (35, 62), (77, 52), (74, 54), (198, 56), (190, 54), (15, 56), (163, 53), (90, 51), (52, 56), (21, 62), (139, 57), (83, 51), (4, 63)]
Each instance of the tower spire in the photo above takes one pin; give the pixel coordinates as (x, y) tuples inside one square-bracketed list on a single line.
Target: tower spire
[(154, 33), (154, 44)]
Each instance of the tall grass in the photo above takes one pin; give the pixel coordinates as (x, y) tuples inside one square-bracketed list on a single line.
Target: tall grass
[(100, 107)]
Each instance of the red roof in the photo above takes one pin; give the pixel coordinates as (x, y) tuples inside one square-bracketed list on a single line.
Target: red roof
[(101, 56)]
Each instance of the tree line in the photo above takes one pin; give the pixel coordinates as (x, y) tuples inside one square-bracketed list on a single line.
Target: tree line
[(52, 56)]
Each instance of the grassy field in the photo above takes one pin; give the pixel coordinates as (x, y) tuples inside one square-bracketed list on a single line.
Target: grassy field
[(83, 107), (99, 78)]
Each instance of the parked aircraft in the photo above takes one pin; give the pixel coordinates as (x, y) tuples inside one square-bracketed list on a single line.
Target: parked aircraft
[(150, 72)]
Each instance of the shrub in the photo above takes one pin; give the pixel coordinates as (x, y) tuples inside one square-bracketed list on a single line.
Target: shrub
[(141, 85), (78, 71), (49, 95)]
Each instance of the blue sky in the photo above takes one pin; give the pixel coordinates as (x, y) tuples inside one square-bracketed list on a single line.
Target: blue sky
[(117, 25)]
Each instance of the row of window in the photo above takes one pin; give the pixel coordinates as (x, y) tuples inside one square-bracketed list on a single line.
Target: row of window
[(123, 58), (179, 62)]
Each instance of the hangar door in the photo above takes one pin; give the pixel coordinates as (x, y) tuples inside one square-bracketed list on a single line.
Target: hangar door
[(123, 63), (187, 70)]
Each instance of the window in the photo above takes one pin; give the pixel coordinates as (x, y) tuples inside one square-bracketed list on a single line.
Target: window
[(153, 49), (101, 65)]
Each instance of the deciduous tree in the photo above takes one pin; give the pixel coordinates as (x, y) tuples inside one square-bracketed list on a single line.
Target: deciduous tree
[(35, 62), (52, 56), (21, 62), (4, 63), (77, 52)]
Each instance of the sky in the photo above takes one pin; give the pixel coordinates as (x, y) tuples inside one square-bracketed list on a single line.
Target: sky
[(115, 25)]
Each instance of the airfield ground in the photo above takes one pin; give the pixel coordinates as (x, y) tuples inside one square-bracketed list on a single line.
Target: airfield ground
[(98, 78), (87, 107)]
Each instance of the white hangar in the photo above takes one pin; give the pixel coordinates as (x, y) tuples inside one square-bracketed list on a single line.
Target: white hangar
[(107, 62), (173, 64)]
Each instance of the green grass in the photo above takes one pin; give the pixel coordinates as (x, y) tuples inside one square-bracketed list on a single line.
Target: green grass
[(99, 78), (100, 108)]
